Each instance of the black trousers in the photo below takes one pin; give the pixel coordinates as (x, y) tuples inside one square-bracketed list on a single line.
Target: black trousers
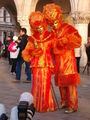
[(9, 59), (78, 64), (14, 62)]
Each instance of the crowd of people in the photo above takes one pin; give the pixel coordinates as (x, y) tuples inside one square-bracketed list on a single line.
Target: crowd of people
[(13, 51), (38, 52)]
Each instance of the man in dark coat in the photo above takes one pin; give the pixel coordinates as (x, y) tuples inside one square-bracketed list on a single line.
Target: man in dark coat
[(22, 44)]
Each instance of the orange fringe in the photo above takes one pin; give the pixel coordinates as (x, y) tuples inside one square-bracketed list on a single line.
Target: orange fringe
[(66, 80)]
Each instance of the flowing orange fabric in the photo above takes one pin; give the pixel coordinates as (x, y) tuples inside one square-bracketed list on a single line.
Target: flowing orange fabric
[(43, 59), (67, 38), (69, 97), (66, 70), (42, 66), (41, 90)]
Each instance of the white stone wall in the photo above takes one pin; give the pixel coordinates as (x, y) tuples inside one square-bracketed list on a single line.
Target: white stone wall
[(80, 13), (7, 25)]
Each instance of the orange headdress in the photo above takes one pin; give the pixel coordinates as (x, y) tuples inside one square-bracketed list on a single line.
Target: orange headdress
[(37, 19), (52, 13)]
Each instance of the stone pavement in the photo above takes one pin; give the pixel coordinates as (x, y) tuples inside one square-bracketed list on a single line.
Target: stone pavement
[(10, 92)]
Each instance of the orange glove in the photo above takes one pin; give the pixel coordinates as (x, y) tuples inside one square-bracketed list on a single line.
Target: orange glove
[(62, 42), (37, 52)]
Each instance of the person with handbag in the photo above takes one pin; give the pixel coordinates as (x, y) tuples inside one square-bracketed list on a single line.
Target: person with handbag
[(22, 42), (14, 52)]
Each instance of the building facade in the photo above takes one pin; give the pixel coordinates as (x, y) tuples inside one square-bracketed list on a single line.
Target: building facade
[(7, 25), (76, 12)]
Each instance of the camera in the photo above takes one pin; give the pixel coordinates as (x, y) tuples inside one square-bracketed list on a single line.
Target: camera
[(3, 112), (30, 112), (22, 110), (3, 117), (26, 109)]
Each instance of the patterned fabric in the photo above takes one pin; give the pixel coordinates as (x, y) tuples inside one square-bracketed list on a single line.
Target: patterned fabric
[(67, 38), (66, 70), (69, 97), (42, 66), (41, 90), (43, 57), (65, 64)]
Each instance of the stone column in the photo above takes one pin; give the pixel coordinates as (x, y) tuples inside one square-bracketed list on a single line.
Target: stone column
[(24, 22), (81, 24), (81, 17), (27, 6), (83, 31)]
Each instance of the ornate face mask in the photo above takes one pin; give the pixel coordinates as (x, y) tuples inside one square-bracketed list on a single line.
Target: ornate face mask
[(40, 29), (57, 24)]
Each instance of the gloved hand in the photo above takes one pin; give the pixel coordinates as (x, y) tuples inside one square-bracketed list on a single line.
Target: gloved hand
[(37, 52), (62, 42)]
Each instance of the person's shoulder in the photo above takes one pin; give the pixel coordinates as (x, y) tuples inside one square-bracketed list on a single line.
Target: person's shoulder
[(68, 28), (25, 36), (30, 39), (65, 25)]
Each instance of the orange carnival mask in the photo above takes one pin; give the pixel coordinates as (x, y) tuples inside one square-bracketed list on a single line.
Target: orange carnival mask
[(53, 15), (37, 22)]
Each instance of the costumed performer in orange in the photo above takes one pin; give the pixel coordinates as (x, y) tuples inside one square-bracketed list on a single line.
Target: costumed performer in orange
[(38, 52), (67, 38)]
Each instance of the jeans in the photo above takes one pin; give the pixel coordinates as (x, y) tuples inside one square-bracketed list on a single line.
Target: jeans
[(20, 61)]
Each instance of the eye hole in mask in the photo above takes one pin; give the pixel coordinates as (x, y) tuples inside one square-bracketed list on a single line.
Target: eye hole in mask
[(56, 24), (40, 29)]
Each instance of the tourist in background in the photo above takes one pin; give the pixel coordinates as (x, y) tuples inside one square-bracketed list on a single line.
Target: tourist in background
[(22, 42), (78, 56), (7, 43), (14, 52)]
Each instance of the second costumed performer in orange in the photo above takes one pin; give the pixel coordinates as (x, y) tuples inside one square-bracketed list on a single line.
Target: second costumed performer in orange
[(67, 38), (38, 52)]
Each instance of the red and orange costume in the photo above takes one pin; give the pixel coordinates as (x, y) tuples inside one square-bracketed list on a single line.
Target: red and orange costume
[(66, 39), (38, 53)]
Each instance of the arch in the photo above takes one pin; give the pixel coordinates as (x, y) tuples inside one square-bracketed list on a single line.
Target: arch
[(10, 6), (12, 27)]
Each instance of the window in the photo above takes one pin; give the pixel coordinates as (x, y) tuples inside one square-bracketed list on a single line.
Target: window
[(4, 14)]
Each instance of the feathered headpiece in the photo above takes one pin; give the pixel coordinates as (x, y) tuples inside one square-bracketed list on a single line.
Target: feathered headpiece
[(37, 19), (52, 13)]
